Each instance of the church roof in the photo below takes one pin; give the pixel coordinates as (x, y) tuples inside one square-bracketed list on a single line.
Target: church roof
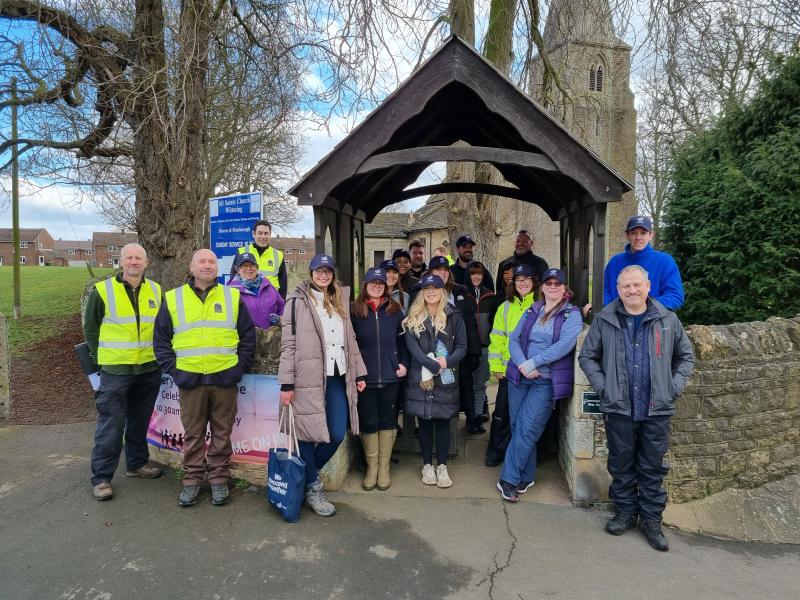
[(387, 225)]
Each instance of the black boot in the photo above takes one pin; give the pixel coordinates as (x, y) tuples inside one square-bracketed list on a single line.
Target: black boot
[(620, 523), (655, 537)]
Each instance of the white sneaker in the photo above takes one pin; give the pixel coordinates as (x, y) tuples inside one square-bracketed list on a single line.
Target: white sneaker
[(442, 478), (428, 475)]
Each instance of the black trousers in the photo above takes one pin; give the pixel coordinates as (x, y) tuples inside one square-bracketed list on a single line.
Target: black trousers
[(466, 395), (376, 408), (636, 452), (425, 434), (500, 429)]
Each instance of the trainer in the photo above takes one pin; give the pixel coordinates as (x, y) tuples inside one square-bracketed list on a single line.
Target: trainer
[(206, 340), (638, 359), (118, 327)]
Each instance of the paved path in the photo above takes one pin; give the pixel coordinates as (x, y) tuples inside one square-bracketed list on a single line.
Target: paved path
[(57, 542)]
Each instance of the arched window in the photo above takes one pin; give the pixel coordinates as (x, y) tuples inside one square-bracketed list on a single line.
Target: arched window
[(596, 75)]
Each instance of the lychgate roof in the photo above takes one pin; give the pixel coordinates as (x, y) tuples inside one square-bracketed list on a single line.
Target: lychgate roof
[(457, 95)]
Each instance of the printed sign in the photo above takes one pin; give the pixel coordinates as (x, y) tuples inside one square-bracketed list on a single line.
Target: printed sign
[(231, 221), (591, 403), (255, 429)]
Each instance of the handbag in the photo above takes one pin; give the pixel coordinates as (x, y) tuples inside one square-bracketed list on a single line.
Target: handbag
[(286, 472)]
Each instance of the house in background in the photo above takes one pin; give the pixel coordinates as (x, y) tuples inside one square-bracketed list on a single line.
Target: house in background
[(67, 253), (33, 246), (106, 246), (297, 252)]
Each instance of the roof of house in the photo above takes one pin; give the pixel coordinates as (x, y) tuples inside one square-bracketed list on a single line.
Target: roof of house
[(114, 238), (25, 235), (72, 245), (432, 215), (387, 225)]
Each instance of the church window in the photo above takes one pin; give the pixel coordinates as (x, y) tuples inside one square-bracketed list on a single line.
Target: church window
[(596, 76)]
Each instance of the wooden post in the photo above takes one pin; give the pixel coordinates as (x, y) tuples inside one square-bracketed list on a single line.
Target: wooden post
[(15, 197)]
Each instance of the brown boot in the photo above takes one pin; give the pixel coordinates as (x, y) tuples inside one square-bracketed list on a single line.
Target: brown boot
[(370, 443), (386, 443)]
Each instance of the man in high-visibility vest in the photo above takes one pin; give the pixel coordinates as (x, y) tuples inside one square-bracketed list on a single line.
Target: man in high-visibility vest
[(270, 260), (118, 327), (205, 340)]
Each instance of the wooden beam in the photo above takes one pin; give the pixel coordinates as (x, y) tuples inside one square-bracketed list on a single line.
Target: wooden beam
[(432, 154)]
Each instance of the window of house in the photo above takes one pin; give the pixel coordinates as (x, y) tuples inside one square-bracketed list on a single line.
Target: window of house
[(72, 252), (378, 257), (110, 260), (23, 244), (89, 252), (112, 248), (302, 251), (23, 260)]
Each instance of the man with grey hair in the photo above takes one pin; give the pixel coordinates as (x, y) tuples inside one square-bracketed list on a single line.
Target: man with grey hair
[(118, 327), (638, 359)]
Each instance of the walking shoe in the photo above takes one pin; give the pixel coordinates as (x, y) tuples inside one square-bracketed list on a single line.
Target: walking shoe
[(491, 461), (476, 429), (102, 491), (508, 491), (524, 486), (655, 537), (146, 472), (316, 500), (189, 495), (220, 494), (442, 478), (428, 475), (620, 523)]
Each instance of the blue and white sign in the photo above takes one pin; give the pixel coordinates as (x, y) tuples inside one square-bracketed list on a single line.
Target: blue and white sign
[(231, 221)]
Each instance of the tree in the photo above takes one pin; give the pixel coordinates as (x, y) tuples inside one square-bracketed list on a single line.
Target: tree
[(734, 213)]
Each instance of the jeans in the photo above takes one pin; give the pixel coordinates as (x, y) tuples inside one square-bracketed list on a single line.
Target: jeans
[(530, 406), (376, 408), (124, 405), (316, 455), (636, 452)]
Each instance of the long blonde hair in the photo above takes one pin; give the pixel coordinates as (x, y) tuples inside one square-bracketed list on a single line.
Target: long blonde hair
[(418, 314), (332, 297)]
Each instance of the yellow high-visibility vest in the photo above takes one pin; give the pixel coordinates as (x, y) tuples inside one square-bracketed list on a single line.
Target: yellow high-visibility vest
[(268, 263), (505, 321), (121, 342), (205, 338)]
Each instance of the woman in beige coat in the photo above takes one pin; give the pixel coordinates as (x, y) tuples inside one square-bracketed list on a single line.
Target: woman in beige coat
[(321, 371)]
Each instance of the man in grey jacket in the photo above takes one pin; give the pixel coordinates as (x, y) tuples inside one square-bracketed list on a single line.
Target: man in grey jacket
[(638, 359)]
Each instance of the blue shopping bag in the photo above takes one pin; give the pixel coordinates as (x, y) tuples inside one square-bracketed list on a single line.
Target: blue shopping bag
[(286, 473)]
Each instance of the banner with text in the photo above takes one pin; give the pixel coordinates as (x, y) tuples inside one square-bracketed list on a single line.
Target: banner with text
[(255, 429)]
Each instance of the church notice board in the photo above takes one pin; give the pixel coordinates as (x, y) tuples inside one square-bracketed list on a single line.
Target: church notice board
[(591, 403), (255, 428)]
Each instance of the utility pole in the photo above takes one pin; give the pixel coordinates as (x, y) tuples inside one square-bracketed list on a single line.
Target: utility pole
[(15, 196)]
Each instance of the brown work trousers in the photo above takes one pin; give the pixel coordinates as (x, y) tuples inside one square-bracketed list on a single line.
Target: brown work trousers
[(207, 407)]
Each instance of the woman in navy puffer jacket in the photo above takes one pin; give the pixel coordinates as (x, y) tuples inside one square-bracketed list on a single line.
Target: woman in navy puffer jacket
[(377, 324)]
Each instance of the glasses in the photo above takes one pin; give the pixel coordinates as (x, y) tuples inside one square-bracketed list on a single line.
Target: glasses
[(324, 272), (552, 283), (523, 280)]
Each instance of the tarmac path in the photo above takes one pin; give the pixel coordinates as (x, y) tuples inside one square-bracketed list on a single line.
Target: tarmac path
[(56, 542)]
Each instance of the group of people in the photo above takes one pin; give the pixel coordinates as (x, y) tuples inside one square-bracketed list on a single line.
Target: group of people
[(422, 338)]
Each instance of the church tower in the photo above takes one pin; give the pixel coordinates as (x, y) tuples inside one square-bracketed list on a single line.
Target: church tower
[(593, 65)]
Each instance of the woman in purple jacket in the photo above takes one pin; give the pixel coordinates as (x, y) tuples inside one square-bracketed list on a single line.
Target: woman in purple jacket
[(263, 301), (540, 371)]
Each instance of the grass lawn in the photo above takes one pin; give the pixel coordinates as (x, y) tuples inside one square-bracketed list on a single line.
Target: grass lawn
[(49, 294)]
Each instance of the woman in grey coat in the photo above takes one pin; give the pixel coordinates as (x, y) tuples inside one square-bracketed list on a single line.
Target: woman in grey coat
[(437, 340)]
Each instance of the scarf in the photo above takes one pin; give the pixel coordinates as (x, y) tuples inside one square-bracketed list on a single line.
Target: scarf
[(251, 285)]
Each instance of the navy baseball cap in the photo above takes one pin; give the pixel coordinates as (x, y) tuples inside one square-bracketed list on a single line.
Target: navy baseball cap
[(438, 261), (320, 261), (642, 221), (389, 264), (523, 270), (433, 280), (556, 274), (240, 259), (463, 240), (401, 252), (507, 264), (375, 274)]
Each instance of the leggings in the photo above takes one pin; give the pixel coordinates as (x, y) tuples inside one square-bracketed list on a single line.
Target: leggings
[(336, 410), (376, 408), (425, 436)]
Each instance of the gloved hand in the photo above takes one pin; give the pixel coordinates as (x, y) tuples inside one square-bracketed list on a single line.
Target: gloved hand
[(274, 319)]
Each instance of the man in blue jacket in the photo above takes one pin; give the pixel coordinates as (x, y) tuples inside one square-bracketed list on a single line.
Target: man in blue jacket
[(638, 359), (665, 279)]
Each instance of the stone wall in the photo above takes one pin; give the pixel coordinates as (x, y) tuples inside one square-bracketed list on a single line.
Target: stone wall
[(738, 421)]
